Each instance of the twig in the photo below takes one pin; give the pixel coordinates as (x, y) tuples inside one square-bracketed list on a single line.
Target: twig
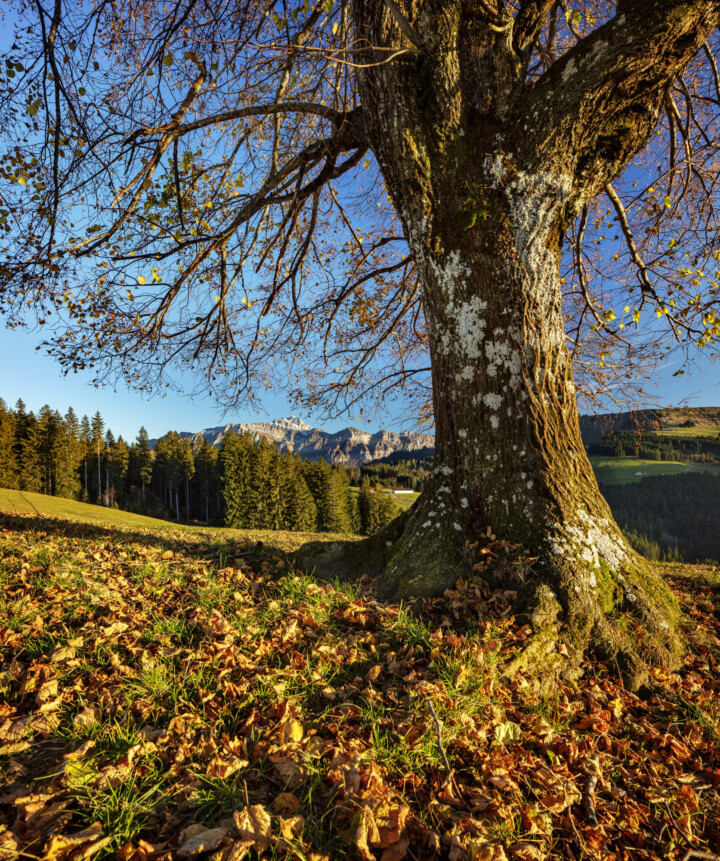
[(438, 727), (578, 835), (588, 801), (677, 827), (705, 856)]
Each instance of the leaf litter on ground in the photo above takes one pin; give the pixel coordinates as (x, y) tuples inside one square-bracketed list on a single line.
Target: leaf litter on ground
[(168, 698)]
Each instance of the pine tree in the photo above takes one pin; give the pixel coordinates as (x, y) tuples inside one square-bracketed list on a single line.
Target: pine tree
[(301, 511), (144, 459), (8, 469), (69, 457), (97, 426), (235, 455), (118, 457), (108, 497), (206, 475), (186, 470), (86, 447), (27, 449)]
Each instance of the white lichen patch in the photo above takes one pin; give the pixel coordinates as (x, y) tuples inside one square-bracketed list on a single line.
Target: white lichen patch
[(535, 202), (592, 540), (467, 374), (492, 401), (501, 354), (469, 325)]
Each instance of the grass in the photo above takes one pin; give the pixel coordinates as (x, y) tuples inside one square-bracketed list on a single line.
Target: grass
[(24, 502), (153, 688), (623, 470), (712, 431), (405, 499)]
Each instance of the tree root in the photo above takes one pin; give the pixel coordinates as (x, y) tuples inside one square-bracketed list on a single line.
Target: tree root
[(626, 619)]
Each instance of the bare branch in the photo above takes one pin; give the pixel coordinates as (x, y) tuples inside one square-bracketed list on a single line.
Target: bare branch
[(408, 30)]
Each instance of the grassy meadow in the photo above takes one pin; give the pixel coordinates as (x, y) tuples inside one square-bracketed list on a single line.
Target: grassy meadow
[(405, 499), (170, 693), (622, 470)]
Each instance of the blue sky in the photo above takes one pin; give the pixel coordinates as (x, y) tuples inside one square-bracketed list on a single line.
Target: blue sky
[(36, 378)]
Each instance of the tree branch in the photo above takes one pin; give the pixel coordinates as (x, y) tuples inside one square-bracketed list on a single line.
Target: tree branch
[(409, 32), (529, 22)]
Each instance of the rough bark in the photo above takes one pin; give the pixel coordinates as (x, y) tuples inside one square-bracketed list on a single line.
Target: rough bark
[(486, 173)]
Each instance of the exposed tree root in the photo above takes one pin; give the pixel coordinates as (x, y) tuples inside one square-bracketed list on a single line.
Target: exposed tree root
[(628, 618)]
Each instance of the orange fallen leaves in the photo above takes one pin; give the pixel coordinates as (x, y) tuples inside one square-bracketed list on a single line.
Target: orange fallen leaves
[(274, 716)]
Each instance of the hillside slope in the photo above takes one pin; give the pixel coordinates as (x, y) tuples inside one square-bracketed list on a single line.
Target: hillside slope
[(24, 502), (160, 700), (694, 420)]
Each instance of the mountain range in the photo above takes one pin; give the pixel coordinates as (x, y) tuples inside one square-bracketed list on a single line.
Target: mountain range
[(354, 447), (350, 446)]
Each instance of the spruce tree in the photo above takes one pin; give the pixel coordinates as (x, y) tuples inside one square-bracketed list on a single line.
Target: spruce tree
[(118, 458), (47, 438), (69, 457), (206, 474), (8, 467), (233, 477), (86, 448), (259, 488), (27, 446), (186, 470), (97, 426), (108, 497), (144, 459), (301, 511)]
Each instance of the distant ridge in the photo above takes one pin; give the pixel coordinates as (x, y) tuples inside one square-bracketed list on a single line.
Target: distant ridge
[(660, 418), (350, 446), (354, 447)]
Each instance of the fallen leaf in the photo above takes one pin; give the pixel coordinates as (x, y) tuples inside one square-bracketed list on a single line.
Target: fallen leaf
[(89, 716), (80, 752), (526, 852), (291, 827), (508, 733), (254, 827), (286, 803), (291, 730), (204, 841), (61, 845)]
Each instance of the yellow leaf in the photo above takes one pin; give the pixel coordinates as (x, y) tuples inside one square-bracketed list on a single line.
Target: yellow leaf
[(292, 731), (205, 841), (142, 279), (254, 826)]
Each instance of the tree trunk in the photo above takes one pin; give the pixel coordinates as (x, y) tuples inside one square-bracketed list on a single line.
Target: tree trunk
[(485, 200)]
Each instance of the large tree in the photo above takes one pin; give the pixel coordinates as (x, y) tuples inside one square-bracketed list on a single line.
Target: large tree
[(378, 192)]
